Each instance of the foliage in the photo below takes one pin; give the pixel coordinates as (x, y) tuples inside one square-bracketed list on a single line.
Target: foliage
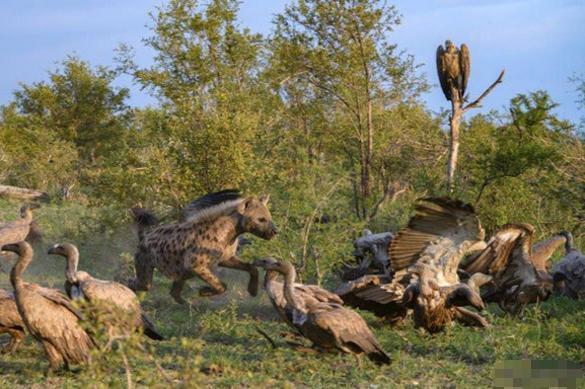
[(324, 115), (341, 56)]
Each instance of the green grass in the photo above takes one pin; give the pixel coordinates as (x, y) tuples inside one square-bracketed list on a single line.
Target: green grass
[(215, 341)]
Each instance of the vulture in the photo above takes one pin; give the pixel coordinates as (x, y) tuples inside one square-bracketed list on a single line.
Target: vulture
[(274, 289), (109, 295), (453, 66), (423, 277), (518, 278), (10, 321), (49, 315), (18, 230), (318, 315), (371, 255), (569, 273)]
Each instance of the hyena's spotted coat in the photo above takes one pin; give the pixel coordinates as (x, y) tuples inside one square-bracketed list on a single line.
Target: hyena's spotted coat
[(194, 247)]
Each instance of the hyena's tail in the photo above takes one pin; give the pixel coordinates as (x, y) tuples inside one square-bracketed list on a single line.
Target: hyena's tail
[(144, 219)]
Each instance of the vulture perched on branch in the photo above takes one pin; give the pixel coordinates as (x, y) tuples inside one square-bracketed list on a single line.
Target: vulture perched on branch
[(49, 315), (424, 257), (569, 273), (518, 279), (318, 315), (453, 66), (116, 299)]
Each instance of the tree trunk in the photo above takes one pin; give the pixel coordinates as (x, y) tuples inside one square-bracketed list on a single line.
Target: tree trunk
[(22, 193), (454, 122)]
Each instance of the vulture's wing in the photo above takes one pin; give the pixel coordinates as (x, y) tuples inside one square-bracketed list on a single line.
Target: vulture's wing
[(437, 221), (465, 66), (57, 297), (350, 330), (543, 250), (442, 72), (318, 293), (497, 252), (110, 293), (209, 200), (13, 232), (376, 294)]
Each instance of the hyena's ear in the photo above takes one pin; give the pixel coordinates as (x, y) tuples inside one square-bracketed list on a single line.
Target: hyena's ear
[(264, 199), (245, 204)]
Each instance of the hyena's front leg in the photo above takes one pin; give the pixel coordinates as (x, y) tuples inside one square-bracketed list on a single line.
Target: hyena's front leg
[(200, 266), (237, 264)]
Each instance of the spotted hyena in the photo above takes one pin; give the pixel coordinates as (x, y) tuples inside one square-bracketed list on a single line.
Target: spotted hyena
[(196, 245)]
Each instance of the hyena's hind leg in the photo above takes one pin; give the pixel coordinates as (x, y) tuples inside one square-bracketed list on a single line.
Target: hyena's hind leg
[(237, 264), (177, 289), (144, 272)]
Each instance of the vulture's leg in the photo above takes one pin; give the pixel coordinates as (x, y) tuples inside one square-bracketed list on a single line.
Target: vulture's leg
[(55, 358), (470, 318), (16, 336), (235, 263)]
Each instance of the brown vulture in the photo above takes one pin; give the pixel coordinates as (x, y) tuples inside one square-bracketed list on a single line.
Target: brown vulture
[(453, 66), (318, 315), (424, 257), (10, 321), (509, 260), (49, 315), (569, 273), (18, 230), (118, 303)]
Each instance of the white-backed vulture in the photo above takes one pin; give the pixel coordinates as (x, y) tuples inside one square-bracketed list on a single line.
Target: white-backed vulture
[(275, 292), (423, 258), (453, 67), (107, 295), (508, 258), (10, 321), (49, 315), (314, 314), (18, 230), (569, 272)]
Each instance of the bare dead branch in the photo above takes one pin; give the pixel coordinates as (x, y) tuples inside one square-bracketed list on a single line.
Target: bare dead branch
[(475, 103)]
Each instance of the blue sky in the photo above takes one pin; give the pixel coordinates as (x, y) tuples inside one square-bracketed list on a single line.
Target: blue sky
[(539, 42)]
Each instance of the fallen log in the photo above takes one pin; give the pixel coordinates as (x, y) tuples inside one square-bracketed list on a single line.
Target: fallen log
[(22, 193)]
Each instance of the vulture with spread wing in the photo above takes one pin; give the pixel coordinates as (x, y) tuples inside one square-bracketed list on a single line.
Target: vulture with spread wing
[(49, 315), (453, 67), (318, 314), (518, 279), (424, 257), (569, 273), (117, 302)]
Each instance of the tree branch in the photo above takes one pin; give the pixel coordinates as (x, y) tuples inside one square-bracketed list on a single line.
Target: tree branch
[(475, 104)]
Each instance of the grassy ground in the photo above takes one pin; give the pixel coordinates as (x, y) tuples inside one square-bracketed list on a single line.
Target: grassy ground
[(215, 342)]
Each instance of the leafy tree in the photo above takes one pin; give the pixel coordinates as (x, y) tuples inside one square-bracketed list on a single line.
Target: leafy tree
[(205, 74), (341, 51), (78, 104)]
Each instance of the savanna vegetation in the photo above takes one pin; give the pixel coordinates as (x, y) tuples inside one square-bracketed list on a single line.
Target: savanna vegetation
[(326, 114)]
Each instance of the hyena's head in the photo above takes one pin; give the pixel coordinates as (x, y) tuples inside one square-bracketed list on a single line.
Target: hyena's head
[(256, 217)]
